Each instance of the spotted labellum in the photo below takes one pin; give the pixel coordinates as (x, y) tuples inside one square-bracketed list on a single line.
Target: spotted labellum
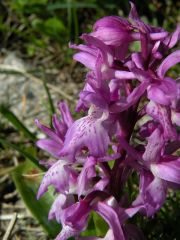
[(131, 117)]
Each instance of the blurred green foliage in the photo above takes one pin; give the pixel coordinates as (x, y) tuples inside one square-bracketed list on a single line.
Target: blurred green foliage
[(44, 26)]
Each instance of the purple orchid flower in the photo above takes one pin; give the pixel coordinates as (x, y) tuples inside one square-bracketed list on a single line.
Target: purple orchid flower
[(132, 111)]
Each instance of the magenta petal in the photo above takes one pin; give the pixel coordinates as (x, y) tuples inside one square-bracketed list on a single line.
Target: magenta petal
[(76, 215), (113, 31), (133, 12), (104, 49), (50, 146), (93, 98), (84, 48), (133, 97), (60, 127), (111, 217), (157, 95), (162, 114), (48, 131), (61, 203), (168, 62), (65, 114), (112, 36), (86, 174), (158, 36), (152, 193), (66, 233), (155, 195), (174, 38), (112, 22), (86, 59), (101, 184), (124, 75), (58, 176), (154, 147), (137, 59), (169, 171), (87, 132)]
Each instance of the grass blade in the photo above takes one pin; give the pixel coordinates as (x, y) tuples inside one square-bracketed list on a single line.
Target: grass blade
[(27, 178), (51, 105), (26, 154), (11, 117)]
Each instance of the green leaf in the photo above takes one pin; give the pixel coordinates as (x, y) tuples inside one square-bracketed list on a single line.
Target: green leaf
[(27, 178), (90, 230), (11, 117), (51, 105), (25, 153), (53, 27), (101, 226)]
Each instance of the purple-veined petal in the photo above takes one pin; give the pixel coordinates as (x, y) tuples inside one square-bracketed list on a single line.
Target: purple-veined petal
[(168, 62), (59, 176), (87, 132), (162, 114), (169, 171), (154, 147)]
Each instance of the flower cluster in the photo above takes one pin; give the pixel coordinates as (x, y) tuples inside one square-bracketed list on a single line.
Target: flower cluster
[(133, 113)]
